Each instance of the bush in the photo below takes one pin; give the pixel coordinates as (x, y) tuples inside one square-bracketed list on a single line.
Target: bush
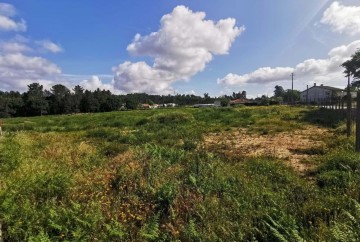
[(172, 118), (334, 179), (189, 145)]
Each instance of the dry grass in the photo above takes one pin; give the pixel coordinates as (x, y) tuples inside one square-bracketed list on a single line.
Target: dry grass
[(294, 147)]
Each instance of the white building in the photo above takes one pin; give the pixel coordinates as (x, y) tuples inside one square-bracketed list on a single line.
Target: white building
[(319, 94)]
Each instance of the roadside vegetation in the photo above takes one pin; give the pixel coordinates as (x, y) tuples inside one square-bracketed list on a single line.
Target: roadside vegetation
[(150, 175)]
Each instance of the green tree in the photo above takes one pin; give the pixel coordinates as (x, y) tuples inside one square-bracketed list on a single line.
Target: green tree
[(291, 95), (264, 100), (279, 91), (89, 103), (78, 95), (243, 94), (11, 104), (34, 99), (131, 104), (352, 68), (60, 99), (224, 102)]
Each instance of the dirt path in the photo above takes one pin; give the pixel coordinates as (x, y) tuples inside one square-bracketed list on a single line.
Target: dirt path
[(293, 147)]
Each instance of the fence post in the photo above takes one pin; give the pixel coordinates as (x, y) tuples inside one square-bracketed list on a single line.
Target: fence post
[(348, 111), (357, 142)]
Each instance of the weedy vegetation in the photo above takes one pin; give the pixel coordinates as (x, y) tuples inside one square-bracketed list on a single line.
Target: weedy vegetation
[(148, 176)]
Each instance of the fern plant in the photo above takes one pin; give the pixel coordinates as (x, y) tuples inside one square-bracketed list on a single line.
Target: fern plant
[(150, 231), (347, 227)]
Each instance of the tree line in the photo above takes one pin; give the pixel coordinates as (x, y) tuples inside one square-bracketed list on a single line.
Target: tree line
[(60, 100)]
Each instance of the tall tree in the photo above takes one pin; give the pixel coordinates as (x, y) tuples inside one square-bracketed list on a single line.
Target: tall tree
[(279, 91), (352, 68), (34, 99), (60, 99), (243, 94), (78, 95), (89, 103)]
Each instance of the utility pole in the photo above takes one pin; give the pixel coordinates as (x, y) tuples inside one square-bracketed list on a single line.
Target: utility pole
[(292, 88), (307, 94)]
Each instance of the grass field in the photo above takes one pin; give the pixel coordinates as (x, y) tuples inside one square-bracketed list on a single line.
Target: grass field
[(217, 174)]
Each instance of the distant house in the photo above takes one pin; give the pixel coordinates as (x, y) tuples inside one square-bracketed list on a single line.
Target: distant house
[(148, 106), (243, 101), (155, 106), (145, 106), (319, 94), (204, 105), (172, 105), (208, 105), (238, 101)]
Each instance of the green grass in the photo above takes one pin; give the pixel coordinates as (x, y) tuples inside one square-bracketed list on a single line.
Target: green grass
[(146, 176)]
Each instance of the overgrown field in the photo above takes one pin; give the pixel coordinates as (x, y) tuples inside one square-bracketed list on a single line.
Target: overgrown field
[(180, 175)]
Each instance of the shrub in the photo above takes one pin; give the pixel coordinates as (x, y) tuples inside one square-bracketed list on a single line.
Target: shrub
[(334, 179), (9, 154), (165, 197), (189, 145), (172, 118)]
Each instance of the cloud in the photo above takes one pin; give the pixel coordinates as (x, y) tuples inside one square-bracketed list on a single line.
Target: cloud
[(140, 77), (342, 19), (7, 23), (319, 70), (261, 75), (183, 45), (18, 70), (191, 92), (7, 9), (14, 47), (48, 45), (94, 83)]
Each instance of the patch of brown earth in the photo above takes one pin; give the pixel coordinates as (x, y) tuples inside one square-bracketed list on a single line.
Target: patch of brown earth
[(294, 147)]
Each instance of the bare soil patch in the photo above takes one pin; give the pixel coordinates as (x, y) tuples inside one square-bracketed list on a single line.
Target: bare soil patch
[(294, 147)]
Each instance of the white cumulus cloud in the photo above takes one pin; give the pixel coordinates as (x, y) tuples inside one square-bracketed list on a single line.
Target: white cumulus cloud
[(140, 77), (326, 70), (261, 75), (14, 47), (48, 45), (94, 83), (7, 21), (342, 19), (18, 70), (183, 45)]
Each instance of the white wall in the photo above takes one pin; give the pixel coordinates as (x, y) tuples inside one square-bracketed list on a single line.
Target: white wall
[(316, 94)]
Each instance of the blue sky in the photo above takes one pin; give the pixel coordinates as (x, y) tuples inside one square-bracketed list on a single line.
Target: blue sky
[(92, 43)]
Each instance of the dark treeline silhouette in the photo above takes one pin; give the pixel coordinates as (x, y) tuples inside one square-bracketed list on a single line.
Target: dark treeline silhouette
[(60, 100), (239, 95)]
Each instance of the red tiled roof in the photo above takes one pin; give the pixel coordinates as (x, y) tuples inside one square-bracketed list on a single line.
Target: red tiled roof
[(241, 100)]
